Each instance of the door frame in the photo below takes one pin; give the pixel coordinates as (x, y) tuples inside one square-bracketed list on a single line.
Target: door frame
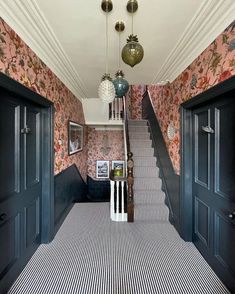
[(186, 152), (47, 115)]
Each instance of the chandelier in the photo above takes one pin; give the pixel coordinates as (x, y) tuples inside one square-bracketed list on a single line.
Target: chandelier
[(121, 85), (132, 52), (106, 90)]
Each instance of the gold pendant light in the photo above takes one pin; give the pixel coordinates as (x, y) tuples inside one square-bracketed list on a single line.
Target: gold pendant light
[(132, 52)]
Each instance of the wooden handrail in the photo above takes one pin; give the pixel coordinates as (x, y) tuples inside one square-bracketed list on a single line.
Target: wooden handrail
[(130, 166)]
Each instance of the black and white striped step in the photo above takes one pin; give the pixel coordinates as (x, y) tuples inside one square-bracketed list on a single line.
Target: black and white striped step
[(138, 129), (139, 151), (146, 171), (141, 143), (147, 184), (156, 212), (139, 135), (144, 161), (137, 122), (149, 197)]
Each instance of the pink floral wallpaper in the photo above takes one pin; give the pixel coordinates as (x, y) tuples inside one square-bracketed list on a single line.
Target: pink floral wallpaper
[(104, 145), (135, 97), (19, 62), (214, 65)]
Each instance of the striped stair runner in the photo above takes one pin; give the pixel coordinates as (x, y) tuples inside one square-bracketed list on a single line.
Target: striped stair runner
[(148, 196)]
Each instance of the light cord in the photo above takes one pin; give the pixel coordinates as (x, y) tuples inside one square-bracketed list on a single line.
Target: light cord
[(119, 51), (106, 64)]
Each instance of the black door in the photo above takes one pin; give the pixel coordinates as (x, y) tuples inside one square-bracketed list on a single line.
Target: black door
[(214, 185), (20, 182)]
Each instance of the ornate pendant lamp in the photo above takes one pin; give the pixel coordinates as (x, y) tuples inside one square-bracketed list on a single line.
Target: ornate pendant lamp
[(132, 52), (121, 85), (106, 90)]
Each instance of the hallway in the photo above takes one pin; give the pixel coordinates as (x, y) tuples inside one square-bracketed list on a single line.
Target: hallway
[(91, 254)]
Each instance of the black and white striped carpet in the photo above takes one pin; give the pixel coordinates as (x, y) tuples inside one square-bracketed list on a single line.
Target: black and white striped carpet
[(91, 254)]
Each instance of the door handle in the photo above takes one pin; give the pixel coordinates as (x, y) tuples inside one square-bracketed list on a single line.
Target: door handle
[(3, 217), (208, 129), (232, 215)]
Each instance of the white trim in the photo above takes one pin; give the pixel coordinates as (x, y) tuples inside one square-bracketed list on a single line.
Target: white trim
[(212, 17), (28, 21)]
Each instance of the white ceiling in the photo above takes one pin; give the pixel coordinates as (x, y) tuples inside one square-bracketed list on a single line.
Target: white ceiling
[(69, 36)]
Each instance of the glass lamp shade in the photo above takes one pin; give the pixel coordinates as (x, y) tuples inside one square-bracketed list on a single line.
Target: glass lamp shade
[(121, 85), (106, 91), (132, 52)]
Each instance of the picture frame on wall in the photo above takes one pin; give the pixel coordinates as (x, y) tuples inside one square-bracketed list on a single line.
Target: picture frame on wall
[(75, 137), (119, 168), (102, 169)]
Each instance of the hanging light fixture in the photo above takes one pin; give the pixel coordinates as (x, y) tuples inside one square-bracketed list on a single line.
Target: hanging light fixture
[(132, 52), (121, 85), (106, 90)]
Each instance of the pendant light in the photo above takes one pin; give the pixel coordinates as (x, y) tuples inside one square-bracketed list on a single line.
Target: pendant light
[(106, 90), (121, 85), (132, 52)]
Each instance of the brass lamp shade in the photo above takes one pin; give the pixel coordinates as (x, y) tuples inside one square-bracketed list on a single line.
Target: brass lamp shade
[(132, 52)]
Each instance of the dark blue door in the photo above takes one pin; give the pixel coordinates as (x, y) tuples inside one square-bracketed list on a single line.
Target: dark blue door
[(214, 185), (20, 182)]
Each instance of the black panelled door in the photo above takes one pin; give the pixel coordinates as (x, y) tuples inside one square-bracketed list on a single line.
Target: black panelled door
[(20, 180), (214, 185)]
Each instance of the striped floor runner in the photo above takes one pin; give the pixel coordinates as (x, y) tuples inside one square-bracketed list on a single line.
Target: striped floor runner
[(92, 255)]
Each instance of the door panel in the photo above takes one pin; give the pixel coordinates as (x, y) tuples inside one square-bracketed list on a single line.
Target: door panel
[(9, 244), (214, 185), (202, 221), (10, 157), (32, 145), (202, 142), (20, 180), (224, 151), (224, 231)]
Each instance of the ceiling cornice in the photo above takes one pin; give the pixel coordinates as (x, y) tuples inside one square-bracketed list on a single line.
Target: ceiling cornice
[(27, 20), (210, 20)]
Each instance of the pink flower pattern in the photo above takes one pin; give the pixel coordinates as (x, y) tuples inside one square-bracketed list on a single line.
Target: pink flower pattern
[(19, 62), (214, 65), (97, 151)]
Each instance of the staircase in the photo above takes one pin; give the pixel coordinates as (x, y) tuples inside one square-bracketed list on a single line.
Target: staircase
[(148, 196)]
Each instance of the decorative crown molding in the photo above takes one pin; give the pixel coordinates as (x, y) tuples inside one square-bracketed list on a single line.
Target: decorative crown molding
[(210, 20), (28, 21)]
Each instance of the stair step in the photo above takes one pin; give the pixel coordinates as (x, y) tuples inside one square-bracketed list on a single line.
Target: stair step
[(137, 122), (139, 135), (140, 143), (156, 212), (144, 161), (147, 184), (149, 196), (134, 128), (142, 151), (146, 171)]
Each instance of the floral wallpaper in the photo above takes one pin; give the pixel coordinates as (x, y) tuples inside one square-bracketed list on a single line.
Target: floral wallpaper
[(19, 62), (104, 145), (214, 65), (135, 97)]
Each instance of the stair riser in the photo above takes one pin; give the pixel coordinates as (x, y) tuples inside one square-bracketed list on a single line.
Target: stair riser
[(140, 136), (141, 143), (139, 172), (142, 151), (139, 129), (142, 161), (137, 122)]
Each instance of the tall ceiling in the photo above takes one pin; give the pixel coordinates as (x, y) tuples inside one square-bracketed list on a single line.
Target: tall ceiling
[(69, 36)]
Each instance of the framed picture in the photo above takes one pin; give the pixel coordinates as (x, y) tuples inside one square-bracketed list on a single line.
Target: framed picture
[(75, 137), (102, 169), (118, 167)]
